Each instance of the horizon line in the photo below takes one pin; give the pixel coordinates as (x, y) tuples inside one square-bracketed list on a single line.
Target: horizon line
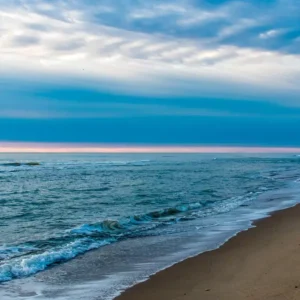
[(31, 147)]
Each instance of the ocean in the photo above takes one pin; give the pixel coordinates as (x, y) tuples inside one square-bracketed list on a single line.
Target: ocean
[(87, 226)]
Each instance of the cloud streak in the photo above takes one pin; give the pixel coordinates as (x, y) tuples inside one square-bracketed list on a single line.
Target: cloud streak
[(8, 147)]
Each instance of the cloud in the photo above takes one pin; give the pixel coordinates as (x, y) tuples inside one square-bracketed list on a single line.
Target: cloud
[(53, 102), (24, 41), (270, 34), (155, 47)]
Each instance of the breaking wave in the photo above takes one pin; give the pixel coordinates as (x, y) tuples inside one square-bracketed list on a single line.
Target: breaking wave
[(23, 267), (34, 256)]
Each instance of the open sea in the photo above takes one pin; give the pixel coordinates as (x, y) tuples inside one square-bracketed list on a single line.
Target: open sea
[(87, 226)]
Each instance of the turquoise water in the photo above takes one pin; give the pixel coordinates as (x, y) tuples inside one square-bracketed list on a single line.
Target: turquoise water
[(67, 205)]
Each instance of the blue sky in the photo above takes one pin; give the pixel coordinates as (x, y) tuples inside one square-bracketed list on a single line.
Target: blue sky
[(150, 72)]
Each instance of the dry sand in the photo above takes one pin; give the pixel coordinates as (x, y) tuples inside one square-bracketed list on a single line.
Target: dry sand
[(259, 264)]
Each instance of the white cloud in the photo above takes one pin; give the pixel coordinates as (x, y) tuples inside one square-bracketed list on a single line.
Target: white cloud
[(270, 33), (57, 39)]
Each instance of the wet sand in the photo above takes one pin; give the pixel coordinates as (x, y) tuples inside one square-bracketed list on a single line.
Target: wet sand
[(259, 264)]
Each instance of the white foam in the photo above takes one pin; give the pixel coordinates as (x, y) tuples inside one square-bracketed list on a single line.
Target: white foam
[(22, 267), (10, 251)]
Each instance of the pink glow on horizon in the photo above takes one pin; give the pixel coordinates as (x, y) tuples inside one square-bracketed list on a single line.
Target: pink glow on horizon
[(15, 147)]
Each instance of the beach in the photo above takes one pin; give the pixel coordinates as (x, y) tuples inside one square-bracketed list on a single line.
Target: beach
[(260, 263)]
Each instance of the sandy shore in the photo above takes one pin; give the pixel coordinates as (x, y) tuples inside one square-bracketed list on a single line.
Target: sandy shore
[(261, 263)]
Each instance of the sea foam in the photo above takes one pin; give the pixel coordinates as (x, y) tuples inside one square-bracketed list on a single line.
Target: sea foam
[(23, 267)]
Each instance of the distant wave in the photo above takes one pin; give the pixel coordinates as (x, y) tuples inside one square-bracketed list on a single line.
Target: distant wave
[(125, 162), (18, 164), (99, 163), (116, 163)]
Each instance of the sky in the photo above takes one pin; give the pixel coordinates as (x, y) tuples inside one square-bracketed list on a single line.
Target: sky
[(180, 72)]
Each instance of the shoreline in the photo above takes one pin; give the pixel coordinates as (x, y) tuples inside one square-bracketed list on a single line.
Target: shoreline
[(262, 262)]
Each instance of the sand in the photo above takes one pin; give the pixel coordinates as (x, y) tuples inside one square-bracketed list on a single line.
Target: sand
[(259, 264)]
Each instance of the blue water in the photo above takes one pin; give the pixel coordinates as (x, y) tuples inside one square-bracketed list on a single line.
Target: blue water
[(67, 205)]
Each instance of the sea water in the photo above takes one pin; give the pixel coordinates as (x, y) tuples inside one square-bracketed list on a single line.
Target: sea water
[(87, 226)]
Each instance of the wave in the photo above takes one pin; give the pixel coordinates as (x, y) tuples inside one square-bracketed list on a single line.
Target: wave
[(19, 164), (101, 163), (35, 256), (24, 267), (12, 251), (21, 261), (142, 162), (145, 222), (104, 162), (155, 218)]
